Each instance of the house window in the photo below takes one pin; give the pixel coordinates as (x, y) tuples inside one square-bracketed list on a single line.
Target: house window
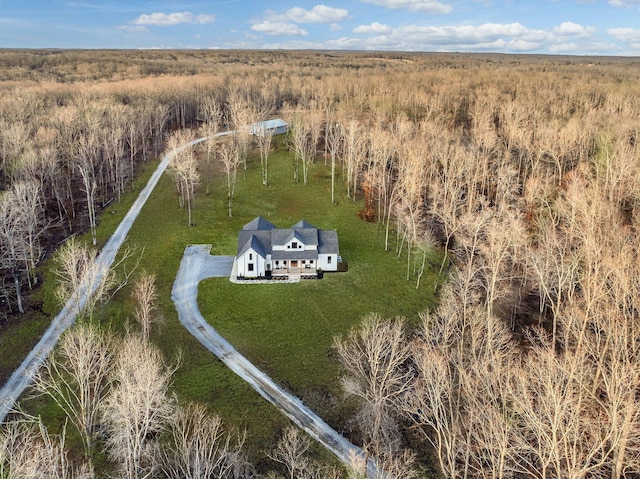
[(250, 256), (277, 263), (294, 245), (303, 261), (250, 267), (329, 260)]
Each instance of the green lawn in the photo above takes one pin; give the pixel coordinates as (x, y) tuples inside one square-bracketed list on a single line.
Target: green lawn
[(285, 329)]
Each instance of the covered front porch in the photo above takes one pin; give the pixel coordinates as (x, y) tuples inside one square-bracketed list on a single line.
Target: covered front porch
[(294, 268)]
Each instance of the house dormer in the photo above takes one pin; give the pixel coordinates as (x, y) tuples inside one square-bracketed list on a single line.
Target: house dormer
[(294, 242)]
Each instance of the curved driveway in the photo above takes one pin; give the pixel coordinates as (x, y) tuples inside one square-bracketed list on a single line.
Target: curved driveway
[(197, 264)]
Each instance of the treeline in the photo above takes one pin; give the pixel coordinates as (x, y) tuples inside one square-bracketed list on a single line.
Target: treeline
[(65, 153), (530, 183)]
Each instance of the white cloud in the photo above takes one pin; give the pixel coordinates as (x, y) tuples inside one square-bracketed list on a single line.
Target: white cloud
[(564, 48), (522, 46), (471, 34), (278, 28), (567, 37), (318, 14), (425, 6), (294, 45), (629, 36), (375, 27), (570, 28), (625, 34), (623, 3), (335, 27), (132, 28), (512, 37), (169, 19)]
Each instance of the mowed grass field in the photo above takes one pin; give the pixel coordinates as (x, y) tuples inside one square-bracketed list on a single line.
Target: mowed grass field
[(285, 329)]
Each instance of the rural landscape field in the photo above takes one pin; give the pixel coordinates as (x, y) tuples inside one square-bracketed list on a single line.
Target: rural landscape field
[(485, 318)]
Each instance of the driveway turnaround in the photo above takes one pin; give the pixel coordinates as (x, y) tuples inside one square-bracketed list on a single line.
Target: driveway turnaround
[(22, 376), (197, 264)]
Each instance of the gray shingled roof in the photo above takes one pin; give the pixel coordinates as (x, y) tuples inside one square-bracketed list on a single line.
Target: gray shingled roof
[(261, 234), (307, 236), (328, 242), (260, 241), (259, 223), (293, 254), (302, 224)]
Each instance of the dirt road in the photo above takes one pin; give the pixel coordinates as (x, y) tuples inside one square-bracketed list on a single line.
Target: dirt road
[(22, 376)]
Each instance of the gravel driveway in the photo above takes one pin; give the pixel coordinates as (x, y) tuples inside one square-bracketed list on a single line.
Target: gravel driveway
[(196, 265)]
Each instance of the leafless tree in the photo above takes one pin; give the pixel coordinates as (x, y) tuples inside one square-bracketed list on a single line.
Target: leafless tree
[(264, 136), (29, 451), (87, 156), (78, 270), (354, 146), (303, 148), (230, 157), (145, 297), (198, 447), (210, 114), (138, 406), (76, 377), (333, 141), (241, 116), (292, 450), (13, 139), (564, 435), (374, 357), (183, 168), (21, 228)]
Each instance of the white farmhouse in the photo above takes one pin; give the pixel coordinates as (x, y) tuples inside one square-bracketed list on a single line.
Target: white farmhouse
[(302, 251)]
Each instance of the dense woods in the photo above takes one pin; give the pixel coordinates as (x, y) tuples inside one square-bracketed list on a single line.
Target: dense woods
[(523, 170)]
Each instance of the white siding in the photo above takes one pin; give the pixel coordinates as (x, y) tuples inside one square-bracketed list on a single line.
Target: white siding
[(256, 260), (328, 262)]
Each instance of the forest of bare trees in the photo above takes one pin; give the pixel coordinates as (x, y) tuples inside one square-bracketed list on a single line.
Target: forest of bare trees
[(523, 171)]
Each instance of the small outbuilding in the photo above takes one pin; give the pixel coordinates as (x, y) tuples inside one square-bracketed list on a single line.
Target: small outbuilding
[(302, 251), (274, 127)]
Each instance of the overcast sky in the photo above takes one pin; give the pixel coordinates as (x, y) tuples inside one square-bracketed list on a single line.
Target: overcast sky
[(580, 27)]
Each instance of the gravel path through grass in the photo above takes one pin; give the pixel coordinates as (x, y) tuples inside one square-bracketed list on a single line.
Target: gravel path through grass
[(197, 264), (23, 375)]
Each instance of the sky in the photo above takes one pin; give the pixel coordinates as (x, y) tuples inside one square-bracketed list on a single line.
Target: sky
[(573, 27)]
